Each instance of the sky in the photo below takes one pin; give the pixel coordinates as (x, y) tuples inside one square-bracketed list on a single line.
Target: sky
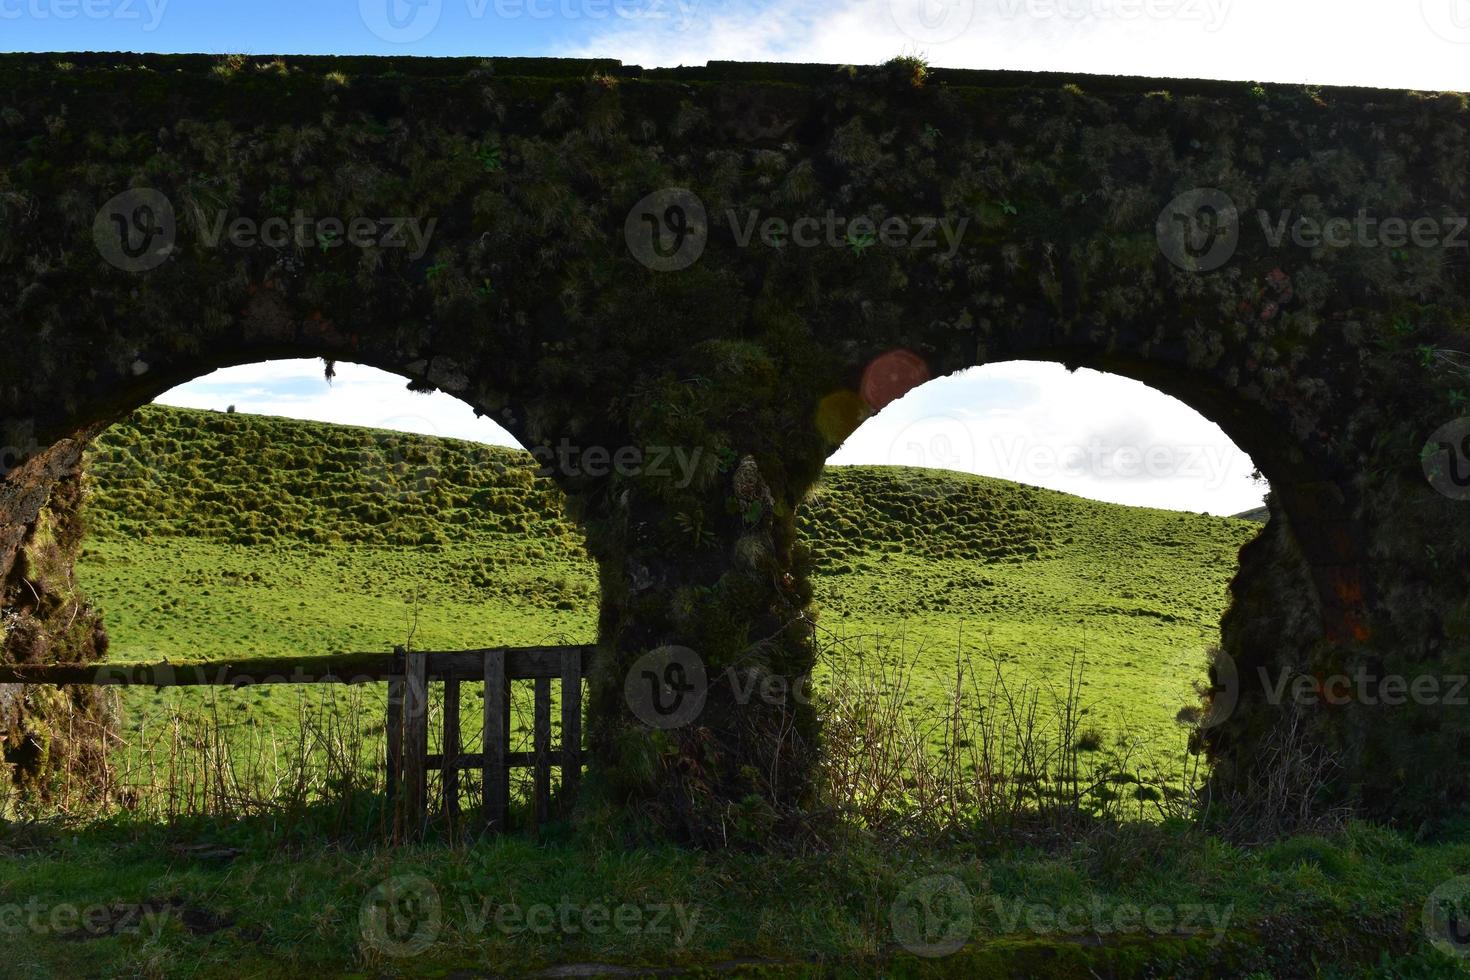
[(1399, 43), (1092, 434), (1096, 435)]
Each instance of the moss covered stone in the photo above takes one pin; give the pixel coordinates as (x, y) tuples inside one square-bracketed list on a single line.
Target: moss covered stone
[(1329, 365)]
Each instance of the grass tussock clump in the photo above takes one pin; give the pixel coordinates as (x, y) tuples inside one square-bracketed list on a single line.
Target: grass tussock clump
[(1006, 756), (252, 480)]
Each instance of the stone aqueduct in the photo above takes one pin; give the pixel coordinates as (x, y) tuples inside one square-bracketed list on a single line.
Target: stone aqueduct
[(572, 289)]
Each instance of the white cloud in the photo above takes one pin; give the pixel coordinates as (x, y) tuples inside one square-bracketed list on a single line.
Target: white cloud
[(357, 396), (1088, 433), (1404, 44)]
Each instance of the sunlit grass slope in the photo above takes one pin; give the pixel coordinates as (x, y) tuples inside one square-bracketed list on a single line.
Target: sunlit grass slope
[(216, 534)]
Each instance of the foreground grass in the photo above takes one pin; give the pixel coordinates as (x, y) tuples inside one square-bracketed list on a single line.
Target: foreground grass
[(216, 900)]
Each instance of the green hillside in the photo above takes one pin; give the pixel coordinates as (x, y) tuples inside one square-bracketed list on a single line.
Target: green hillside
[(215, 534), (951, 566)]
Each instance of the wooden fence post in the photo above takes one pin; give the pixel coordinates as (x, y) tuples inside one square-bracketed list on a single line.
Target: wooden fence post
[(496, 744), (413, 803)]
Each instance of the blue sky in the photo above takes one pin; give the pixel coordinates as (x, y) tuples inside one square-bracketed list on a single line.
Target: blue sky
[(1086, 433), (302, 27)]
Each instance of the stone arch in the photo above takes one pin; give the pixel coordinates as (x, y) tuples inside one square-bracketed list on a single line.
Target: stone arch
[(957, 622), (1303, 593), (1332, 366), (1302, 581), (44, 448), (49, 618)]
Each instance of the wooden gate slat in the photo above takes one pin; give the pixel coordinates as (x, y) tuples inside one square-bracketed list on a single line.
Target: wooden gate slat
[(394, 733), (542, 744), (497, 724), (571, 725), (451, 750)]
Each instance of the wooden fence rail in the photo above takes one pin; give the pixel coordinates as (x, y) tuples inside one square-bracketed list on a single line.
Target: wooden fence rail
[(408, 675)]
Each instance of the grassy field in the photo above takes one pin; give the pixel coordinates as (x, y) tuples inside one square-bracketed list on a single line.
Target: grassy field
[(950, 566), (215, 535), (222, 535)]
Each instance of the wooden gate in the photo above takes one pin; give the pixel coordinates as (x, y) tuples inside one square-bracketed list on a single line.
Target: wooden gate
[(409, 759)]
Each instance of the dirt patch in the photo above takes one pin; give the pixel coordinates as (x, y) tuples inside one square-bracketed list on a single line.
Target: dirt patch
[(147, 917)]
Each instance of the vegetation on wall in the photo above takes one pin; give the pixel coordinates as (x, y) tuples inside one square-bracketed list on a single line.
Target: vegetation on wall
[(1329, 366)]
